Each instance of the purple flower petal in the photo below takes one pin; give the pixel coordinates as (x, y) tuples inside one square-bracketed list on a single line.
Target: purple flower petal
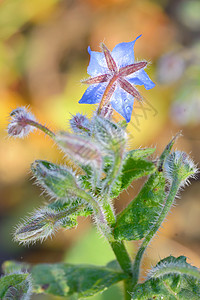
[(97, 65), (141, 78), (123, 53), (93, 94), (122, 102)]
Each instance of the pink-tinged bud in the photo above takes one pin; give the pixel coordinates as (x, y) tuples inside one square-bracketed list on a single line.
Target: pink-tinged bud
[(19, 122), (80, 124), (79, 149)]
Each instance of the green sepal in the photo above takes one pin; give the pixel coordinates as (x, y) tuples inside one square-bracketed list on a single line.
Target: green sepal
[(66, 279), (76, 203), (171, 279), (135, 221), (166, 152), (79, 210), (16, 286)]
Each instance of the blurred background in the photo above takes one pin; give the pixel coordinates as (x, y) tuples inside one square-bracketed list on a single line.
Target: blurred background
[(43, 57)]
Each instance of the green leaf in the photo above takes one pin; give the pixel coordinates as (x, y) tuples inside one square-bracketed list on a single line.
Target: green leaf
[(141, 153), (134, 167), (171, 279), (66, 279), (135, 221), (15, 286)]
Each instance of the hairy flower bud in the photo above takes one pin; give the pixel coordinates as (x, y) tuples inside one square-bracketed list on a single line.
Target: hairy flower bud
[(57, 180), (179, 165), (80, 124), (110, 135), (19, 122), (42, 224)]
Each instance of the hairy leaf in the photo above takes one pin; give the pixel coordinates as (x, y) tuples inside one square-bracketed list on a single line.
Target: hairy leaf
[(134, 167), (141, 153), (171, 279), (15, 286), (66, 279), (136, 220)]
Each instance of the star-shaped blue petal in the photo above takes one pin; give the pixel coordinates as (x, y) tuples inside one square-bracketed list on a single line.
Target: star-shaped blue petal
[(113, 78)]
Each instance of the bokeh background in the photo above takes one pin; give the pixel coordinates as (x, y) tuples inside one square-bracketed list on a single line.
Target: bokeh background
[(43, 57)]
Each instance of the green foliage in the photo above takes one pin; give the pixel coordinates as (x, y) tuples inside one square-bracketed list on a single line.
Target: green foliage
[(171, 279), (106, 169), (136, 219), (74, 208), (15, 286), (67, 279), (134, 167), (140, 153)]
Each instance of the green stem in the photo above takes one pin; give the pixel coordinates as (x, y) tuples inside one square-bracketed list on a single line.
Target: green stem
[(125, 263), (118, 155), (149, 236), (107, 205), (123, 259), (120, 252), (41, 127), (122, 256)]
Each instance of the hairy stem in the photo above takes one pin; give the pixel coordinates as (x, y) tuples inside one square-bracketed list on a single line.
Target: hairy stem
[(123, 259), (168, 203), (125, 263), (42, 128), (122, 256)]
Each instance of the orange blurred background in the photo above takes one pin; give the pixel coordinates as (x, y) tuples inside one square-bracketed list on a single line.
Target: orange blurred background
[(43, 57)]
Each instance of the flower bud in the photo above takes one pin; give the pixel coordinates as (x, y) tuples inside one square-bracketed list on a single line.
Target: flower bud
[(80, 150), (19, 122), (42, 224), (57, 180), (80, 124), (179, 166), (110, 135)]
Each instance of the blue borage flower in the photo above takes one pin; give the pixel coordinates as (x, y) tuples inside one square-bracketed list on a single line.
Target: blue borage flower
[(113, 78)]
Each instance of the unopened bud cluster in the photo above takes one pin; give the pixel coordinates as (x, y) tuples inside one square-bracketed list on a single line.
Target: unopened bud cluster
[(76, 193), (94, 145)]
